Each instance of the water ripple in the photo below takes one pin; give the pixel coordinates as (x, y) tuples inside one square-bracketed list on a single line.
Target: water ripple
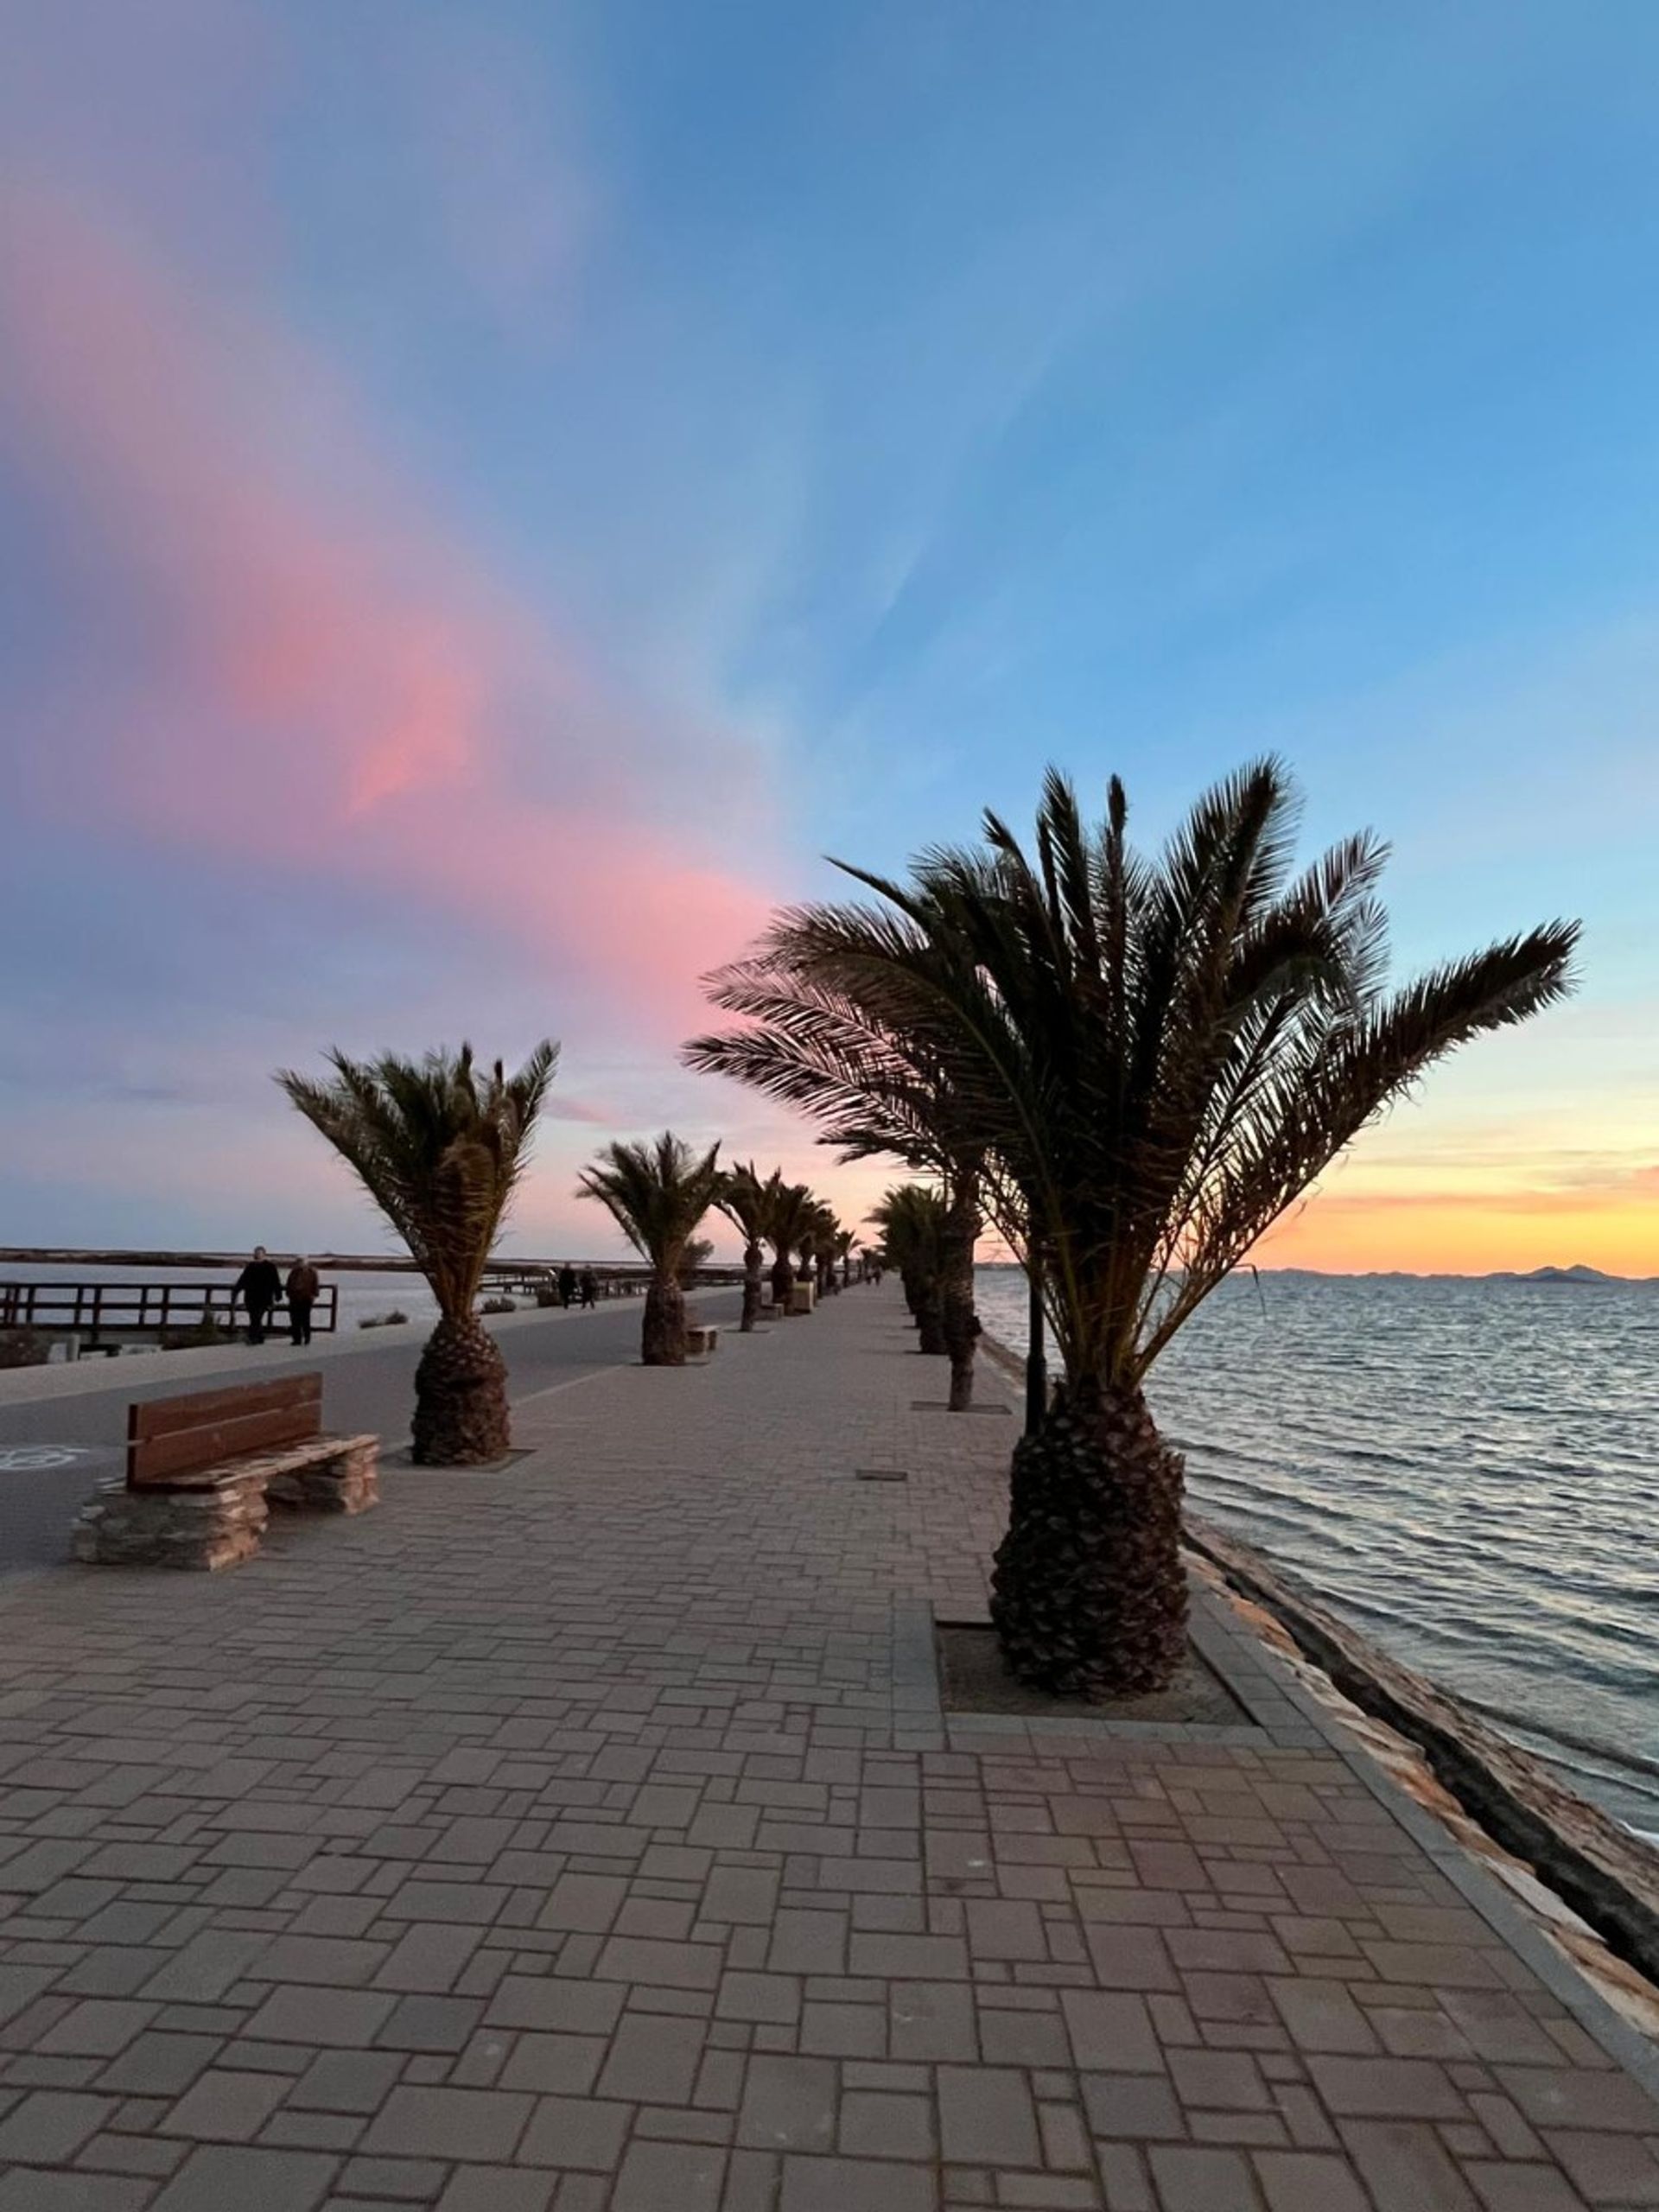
[(1466, 1468)]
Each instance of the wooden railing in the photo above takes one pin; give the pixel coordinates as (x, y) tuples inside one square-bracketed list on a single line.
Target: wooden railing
[(125, 1309)]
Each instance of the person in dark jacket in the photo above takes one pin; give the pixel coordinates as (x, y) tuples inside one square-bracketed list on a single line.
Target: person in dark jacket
[(567, 1284), (258, 1287), (303, 1284), (590, 1287)]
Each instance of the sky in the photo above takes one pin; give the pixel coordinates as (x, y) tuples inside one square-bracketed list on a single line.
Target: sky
[(491, 497)]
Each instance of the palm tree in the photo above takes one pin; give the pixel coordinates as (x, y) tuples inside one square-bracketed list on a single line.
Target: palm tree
[(658, 1194), (790, 1211), (746, 1202), (819, 1254), (810, 1039), (694, 1258), (845, 1239), (439, 1145), (1159, 1055), (911, 1219)]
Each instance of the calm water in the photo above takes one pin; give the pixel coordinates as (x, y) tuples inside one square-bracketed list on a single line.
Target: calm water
[(1468, 1469)]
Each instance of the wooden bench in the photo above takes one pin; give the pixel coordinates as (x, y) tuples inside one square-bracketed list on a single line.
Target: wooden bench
[(203, 1471), (702, 1337)]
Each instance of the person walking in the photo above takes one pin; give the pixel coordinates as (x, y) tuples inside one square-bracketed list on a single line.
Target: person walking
[(303, 1284), (589, 1288), (258, 1287), (567, 1284)]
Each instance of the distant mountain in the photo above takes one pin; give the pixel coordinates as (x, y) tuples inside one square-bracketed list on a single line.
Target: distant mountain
[(1580, 1273)]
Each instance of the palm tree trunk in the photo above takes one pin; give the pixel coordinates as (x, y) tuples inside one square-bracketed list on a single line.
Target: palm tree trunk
[(783, 1281), (929, 1316), (461, 1397), (1089, 1595), (662, 1342), (961, 1323), (754, 1260)]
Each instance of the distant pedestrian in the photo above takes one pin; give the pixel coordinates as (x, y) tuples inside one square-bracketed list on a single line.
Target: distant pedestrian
[(303, 1284), (567, 1284), (258, 1287), (590, 1287)]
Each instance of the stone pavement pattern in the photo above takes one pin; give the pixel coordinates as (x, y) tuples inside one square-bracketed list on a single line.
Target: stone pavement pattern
[(565, 1841)]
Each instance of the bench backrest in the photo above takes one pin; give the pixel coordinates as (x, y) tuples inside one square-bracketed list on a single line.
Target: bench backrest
[(169, 1437)]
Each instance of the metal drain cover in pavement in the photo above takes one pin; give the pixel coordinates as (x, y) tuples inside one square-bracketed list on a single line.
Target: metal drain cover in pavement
[(26, 1458), (881, 1475)]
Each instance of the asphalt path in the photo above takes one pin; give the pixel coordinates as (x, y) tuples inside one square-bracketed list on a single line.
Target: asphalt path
[(54, 1450)]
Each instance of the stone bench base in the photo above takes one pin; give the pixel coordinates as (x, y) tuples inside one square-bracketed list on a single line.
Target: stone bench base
[(217, 1525), (217, 1518), (702, 1339)]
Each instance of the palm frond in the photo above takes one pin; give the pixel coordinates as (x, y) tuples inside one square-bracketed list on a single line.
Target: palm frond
[(438, 1148)]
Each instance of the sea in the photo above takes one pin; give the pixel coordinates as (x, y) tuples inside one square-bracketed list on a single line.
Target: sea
[(1467, 1469)]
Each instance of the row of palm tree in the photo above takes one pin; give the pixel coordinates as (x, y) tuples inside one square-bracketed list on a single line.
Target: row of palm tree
[(1133, 1064), (440, 1146)]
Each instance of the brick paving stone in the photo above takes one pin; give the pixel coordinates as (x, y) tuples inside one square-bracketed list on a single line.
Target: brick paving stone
[(932, 2020), (35, 2191), (221, 2180), (564, 2065), (987, 2116), (497, 2189), (574, 2132), (1607, 2168), (875, 2125), (840, 2185), (1110, 2031), (434, 2123), (653, 2061), (789, 2104), (583, 1841), (1309, 2181), (669, 2177), (1203, 2181), (1602, 2098), (346, 2081), (1132, 2105), (49, 2125), (1396, 2088), (222, 2106), (1406, 2167)]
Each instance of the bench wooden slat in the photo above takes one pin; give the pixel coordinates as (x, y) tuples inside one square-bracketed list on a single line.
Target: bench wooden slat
[(162, 1416), (173, 1437)]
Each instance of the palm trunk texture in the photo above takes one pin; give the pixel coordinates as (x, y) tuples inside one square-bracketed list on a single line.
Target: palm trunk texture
[(754, 1279), (461, 1397), (929, 1310), (1088, 1594), (783, 1281), (961, 1323), (662, 1340)]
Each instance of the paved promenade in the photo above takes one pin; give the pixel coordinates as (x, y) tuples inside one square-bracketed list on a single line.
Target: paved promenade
[(587, 1838)]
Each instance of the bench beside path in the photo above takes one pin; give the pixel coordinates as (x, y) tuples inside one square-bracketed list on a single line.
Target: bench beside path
[(588, 1837), (204, 1469)]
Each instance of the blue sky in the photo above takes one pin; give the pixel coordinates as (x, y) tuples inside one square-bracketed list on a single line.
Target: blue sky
[(488, 496)]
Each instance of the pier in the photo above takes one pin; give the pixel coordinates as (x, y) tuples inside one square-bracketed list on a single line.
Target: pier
[(601, 1834)]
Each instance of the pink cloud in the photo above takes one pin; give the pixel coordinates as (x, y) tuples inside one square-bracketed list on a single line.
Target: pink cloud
[(325, 679)]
